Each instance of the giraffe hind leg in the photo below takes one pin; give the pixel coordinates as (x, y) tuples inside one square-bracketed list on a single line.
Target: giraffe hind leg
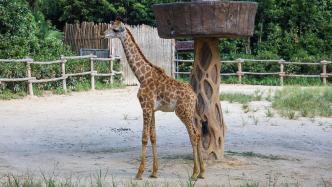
[(153, 140), (201, 160), (186, 117)]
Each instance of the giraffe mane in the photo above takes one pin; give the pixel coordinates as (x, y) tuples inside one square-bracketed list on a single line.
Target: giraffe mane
[(141, 53)]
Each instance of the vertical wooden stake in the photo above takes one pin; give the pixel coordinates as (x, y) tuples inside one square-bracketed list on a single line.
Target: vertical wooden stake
[(239, 70), (177, 66), (92, 73), (282, 73), (30, 88), (112, 74), (63, 71), (324, 73)]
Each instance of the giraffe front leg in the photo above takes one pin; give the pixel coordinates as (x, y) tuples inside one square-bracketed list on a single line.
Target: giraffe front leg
[(147, 115), (153, 139)]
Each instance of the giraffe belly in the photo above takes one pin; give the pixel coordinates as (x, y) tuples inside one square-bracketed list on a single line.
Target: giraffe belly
[(165, 107)]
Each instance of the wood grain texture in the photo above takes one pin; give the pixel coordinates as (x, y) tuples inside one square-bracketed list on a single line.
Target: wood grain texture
[(205, 19)]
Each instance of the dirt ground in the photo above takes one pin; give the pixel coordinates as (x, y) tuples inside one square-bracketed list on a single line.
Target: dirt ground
[(81, 133)]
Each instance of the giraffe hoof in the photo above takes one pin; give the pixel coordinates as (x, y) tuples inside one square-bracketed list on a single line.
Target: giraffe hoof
[(200, 176), (138, 178), (194, 178), (153, 176)]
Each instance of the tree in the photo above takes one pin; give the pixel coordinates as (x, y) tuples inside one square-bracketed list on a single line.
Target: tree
[(17, 28)]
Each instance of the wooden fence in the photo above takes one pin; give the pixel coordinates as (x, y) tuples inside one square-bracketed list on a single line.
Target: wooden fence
[(93, 59), (324, 74), (85, 35), (64, 75), (157, 50)]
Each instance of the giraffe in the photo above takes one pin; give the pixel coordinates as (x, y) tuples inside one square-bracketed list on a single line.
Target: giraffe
[(159, 92)]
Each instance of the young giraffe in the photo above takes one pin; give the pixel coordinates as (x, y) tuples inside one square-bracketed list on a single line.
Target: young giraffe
[(158, 91)]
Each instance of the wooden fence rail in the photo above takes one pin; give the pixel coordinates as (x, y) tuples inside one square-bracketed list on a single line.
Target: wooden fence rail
[(324, 74), (64, 76)]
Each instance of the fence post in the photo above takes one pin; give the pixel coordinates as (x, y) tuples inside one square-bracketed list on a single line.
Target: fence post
[(239, 69), (282, 73), (176, 66), (30, 88), (63, 71), (92, 73), (111, 68), (324, 73)]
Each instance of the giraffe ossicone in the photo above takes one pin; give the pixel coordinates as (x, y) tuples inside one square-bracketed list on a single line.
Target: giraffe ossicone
[(158, 91)]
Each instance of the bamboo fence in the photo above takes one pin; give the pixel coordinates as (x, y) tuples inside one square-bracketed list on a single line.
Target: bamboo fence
[(323, 75), (64, 75)]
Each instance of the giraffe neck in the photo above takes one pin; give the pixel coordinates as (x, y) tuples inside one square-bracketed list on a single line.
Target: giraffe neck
[(140, 66)]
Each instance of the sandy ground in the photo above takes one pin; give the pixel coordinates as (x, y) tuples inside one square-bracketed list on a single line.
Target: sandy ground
[(81, 133)]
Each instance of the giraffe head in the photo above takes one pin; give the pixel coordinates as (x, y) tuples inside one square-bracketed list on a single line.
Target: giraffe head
[(117, 29)]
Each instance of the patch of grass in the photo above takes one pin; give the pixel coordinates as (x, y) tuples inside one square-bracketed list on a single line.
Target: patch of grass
[(81, 86), (255, 119), (240, 97), (103, 179), (308, 102), (190, 182), (37, 91), (258, 155), (272, 80), (103, 86), (269, 113), (245, 108), (226, 110), (8, 94), (250, 184), (59, 91), (290, 114)]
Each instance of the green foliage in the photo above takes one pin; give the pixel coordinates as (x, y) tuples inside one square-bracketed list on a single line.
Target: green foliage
[(70, 11), (31, 28), (292, 30), (18, 30), (25, 32)]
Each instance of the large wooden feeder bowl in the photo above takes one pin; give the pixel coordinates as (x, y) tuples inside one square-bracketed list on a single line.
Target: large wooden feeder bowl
[(222, 19)]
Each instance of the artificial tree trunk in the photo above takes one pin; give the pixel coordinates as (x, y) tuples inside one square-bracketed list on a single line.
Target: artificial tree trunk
[(205, 80), (206, 21)]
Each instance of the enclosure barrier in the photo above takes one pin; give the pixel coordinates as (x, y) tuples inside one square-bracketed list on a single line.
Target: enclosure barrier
[(63, 60), (324, 74)]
